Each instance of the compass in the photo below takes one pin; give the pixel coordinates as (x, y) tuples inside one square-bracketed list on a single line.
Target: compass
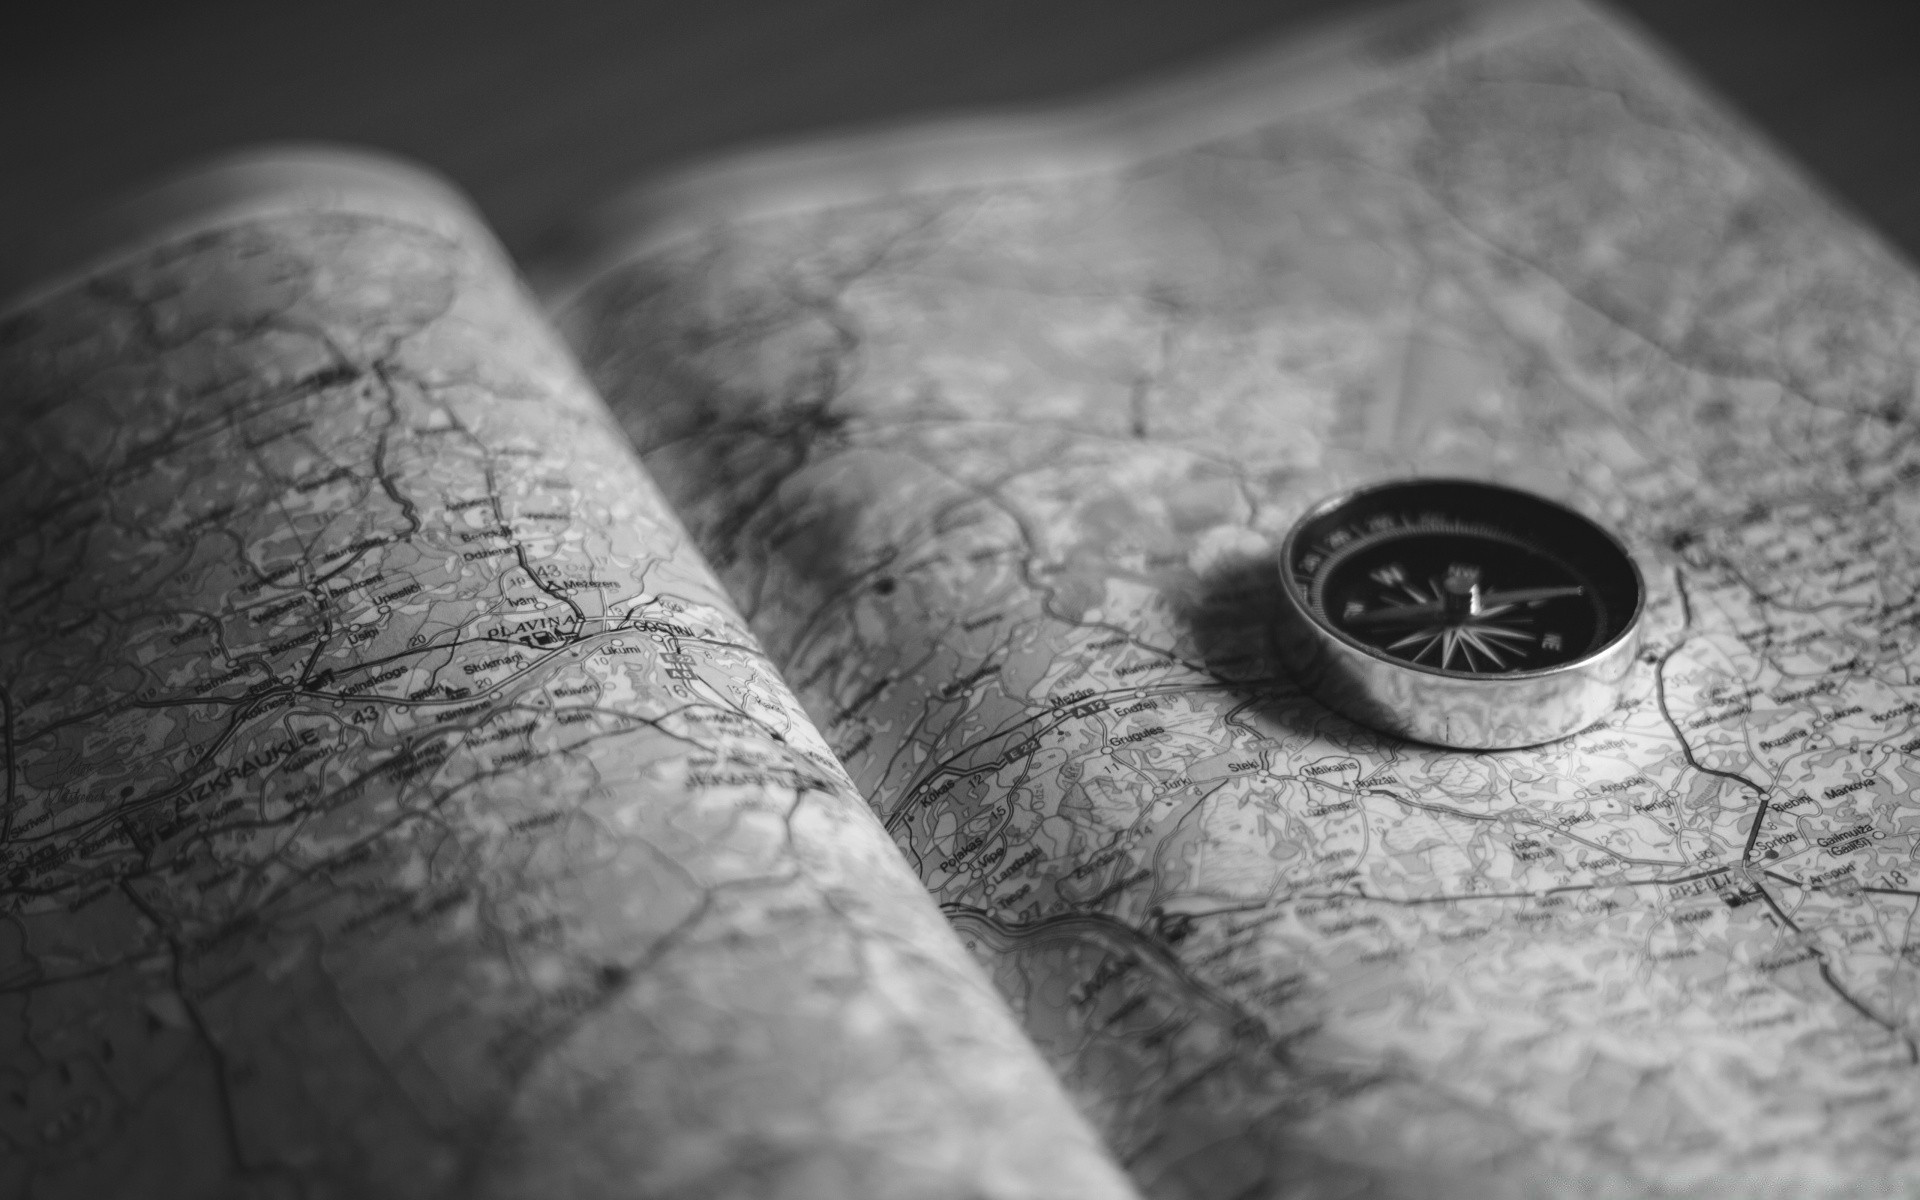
[(1459, 613)]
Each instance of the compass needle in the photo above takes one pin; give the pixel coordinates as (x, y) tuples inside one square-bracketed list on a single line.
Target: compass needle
[(1397, 614), (1533, 595)]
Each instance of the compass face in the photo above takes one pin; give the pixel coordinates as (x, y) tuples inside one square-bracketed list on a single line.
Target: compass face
[(1462, 579), (1460, 598)]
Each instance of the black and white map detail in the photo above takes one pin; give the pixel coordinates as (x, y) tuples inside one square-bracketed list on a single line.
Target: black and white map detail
[(394, 806), (1000, 474)]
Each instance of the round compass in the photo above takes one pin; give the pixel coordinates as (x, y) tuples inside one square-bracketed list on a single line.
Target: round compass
[(1459, 613)]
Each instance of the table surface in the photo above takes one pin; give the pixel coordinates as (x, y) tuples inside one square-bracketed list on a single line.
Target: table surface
[(539, 109)]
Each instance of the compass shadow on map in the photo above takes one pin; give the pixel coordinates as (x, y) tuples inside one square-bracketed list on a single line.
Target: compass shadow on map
[(1230, 621)]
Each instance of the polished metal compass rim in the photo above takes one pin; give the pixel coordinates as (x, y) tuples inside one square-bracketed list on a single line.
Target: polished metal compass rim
[(1460, 709)]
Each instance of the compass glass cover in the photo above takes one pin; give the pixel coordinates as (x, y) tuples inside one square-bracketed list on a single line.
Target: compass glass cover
[(1463, 578)]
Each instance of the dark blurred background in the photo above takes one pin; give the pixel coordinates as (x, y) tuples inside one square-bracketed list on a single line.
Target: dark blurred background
[(539, 107)]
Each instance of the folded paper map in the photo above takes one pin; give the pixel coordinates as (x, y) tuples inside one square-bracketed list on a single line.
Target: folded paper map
[(796, 712)]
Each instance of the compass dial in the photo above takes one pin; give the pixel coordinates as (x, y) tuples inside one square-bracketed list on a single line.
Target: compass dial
[(1459, 597), (1453, 580)]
